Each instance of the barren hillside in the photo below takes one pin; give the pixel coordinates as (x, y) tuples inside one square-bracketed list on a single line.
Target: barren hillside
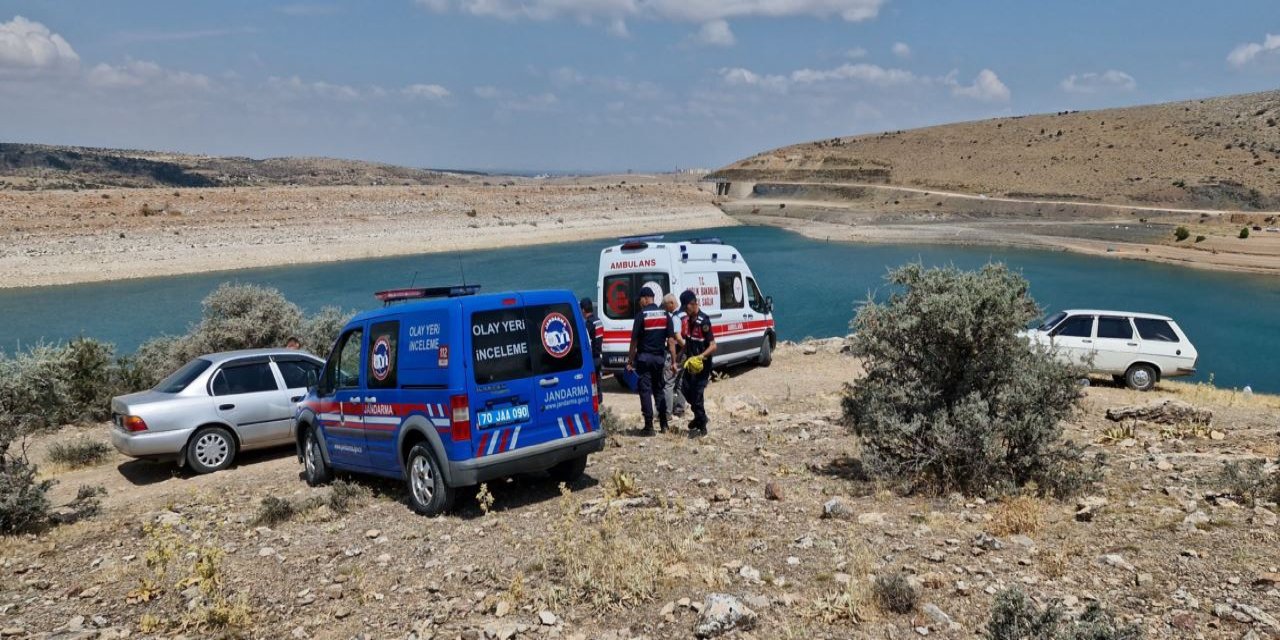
[(36, 166), (1219, 153)]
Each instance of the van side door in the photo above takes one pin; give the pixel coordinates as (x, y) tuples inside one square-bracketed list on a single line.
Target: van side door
[(341, 396), (501, 373), (565, 404)]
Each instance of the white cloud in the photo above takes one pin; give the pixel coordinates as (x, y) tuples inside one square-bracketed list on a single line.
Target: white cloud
[(618, 28), (987, 87), (716, 33), (134, 37), (855, 53), (567, 76), (30, 47), (902, 50), (141, 73), (740, 77), (295, 87), (426, 91), (487, 92), (1110, 80), (695, 11), (1249, 52), (869, 74)]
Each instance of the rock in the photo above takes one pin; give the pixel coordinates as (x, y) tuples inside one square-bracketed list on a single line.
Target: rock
[(987, 542), (1144, 579), (809, 349), (1166, 411), (1259, 616), (1267, 579), (871, 518), (1183, 621), (266, 552), (1116, 560), (9, 632), (1088, 508), (502, 609), (1265, 517), (549, 619), (1022, 541), (772, 491), (836, 508), (938, 616), (1195, 520), (749, 574), (722, 613), (372, 533)]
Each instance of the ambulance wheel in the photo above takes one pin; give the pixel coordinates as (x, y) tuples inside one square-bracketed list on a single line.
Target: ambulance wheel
[(766, 352), (314, 468), (428, 493), (569, 471)]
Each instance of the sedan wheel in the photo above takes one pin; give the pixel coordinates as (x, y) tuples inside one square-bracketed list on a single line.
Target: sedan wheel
[(210, 450)]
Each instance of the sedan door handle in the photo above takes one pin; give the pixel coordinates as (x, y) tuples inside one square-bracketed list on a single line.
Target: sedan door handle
[(226, 407), (1132, 344), (549, 382), (1087, 341)]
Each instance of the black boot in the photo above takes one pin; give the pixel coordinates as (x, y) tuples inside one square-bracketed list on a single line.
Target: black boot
[(648, 428), (662, 423)]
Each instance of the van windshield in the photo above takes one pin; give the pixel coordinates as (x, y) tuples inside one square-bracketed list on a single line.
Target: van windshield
[(621, 290)]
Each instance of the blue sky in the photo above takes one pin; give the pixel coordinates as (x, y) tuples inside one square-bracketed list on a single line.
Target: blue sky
[(593, 85)]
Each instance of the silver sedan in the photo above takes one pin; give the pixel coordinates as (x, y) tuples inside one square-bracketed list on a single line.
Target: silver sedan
[(214, 407)]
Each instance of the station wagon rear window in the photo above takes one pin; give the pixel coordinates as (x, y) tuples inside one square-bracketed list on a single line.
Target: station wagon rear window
[(178, 380), (1114, 327), (1158, 330)]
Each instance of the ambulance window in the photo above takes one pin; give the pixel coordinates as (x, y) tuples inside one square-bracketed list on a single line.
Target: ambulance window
[(754, 299), (731, 293), (384, 341), (553, 338), (500, 345)]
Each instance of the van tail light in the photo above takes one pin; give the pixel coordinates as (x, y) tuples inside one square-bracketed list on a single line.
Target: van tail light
[(595, 392), (134, 424), (460, 418)]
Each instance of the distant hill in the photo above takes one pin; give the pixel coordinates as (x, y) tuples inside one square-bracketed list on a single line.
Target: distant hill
[(37, 166), (1213, 153)]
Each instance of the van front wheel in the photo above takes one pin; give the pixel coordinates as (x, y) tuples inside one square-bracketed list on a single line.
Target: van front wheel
[(766, 351), (1140, 377), (314, 468), (428, 493)]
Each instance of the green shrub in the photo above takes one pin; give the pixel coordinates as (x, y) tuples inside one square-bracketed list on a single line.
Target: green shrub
[(1015, 617), (1181, 233), (343, 495), (78, 453), (320, 331), (24, 503), (273, 511), (87, 369), (953, 399), (1249, 481), (894, 593), (1200, 239), (1244, 233)]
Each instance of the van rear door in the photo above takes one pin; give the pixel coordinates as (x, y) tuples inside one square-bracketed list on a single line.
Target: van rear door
[(502, 401), (562, 373)]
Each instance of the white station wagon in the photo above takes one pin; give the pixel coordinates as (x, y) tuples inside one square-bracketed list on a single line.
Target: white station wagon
[(1138, 349)]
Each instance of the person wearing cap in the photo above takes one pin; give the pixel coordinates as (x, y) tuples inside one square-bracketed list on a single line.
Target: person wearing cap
[(652, 342), (671, 393), (699, 345), (595, 328)]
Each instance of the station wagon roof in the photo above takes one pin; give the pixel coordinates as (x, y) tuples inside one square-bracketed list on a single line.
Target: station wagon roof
[(1104, 312)]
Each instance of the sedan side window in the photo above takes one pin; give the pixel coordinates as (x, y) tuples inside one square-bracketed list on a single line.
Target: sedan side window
[(1075, 327), (299, 374), (248, 378)]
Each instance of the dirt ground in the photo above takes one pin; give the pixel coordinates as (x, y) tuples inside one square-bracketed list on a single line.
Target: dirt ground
[(633, 548)]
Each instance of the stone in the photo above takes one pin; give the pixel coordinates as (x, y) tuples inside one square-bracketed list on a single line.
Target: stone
[(372, 533), (1144, 579), (1116, 560), (987, 542), (1168, 411), (502, 609), (837, 509), (749, 574), (547, 618), (266, 552), (1088, 508), (871, 518), (772, 491), (722, 613), (1265, 517), (1195, 520)]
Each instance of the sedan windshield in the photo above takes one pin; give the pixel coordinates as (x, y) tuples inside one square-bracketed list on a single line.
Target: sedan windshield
[(178, 380), (1052, 321)]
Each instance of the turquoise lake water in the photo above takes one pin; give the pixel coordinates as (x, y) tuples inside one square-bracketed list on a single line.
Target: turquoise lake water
[(1233, 319)]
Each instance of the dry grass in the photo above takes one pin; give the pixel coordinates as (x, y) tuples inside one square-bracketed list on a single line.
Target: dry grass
[(1206, 394), (77, 454), (1019, 515), (853, 602)]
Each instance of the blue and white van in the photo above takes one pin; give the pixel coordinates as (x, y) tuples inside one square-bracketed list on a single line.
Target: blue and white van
[(452, 389)]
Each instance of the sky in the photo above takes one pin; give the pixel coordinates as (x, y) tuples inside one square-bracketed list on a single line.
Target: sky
[(593, 85)]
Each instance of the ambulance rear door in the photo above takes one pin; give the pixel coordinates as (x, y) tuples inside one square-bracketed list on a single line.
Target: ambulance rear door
[(622, 274)]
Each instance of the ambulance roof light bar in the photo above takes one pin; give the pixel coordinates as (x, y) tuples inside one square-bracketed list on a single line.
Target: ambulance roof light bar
[(639, 242), (708, 240), (421, 293)]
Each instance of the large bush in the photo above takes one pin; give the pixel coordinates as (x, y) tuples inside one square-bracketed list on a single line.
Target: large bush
[(24, 505), (953, 399), (1015, 617)]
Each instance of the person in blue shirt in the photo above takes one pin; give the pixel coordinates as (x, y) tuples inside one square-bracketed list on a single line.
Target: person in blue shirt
[(652, 341)]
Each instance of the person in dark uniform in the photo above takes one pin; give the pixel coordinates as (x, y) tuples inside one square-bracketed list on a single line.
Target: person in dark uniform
[(700, 343), (651, 343), (595, 328)]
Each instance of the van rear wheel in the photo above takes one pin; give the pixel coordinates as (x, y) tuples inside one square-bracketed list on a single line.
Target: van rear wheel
[(1140, 377), (569, 470), (428, 493)]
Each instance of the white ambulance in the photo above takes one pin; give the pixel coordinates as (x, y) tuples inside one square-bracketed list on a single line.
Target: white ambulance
[(741, 316)]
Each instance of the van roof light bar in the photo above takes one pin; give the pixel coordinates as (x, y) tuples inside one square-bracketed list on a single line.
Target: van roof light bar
[(390, 296)]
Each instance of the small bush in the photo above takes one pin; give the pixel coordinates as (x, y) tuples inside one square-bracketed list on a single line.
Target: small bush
[(1244, 233), (272, 511), (1020, 515), (1015, 617), (24, 503), (609, 421), (1200, 239), (1181, 233), (953, 399), (1249, 481), (894, 593), (344, 496), (78, 453)]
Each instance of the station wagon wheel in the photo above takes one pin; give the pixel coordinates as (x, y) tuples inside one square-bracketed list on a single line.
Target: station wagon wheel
[(211, 449), (428, 493), (314, 469), (1140, 377)]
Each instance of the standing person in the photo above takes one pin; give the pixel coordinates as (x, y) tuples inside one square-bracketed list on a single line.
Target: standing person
[(596, 329), (651, 341), (699, 345), (671, 375)]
